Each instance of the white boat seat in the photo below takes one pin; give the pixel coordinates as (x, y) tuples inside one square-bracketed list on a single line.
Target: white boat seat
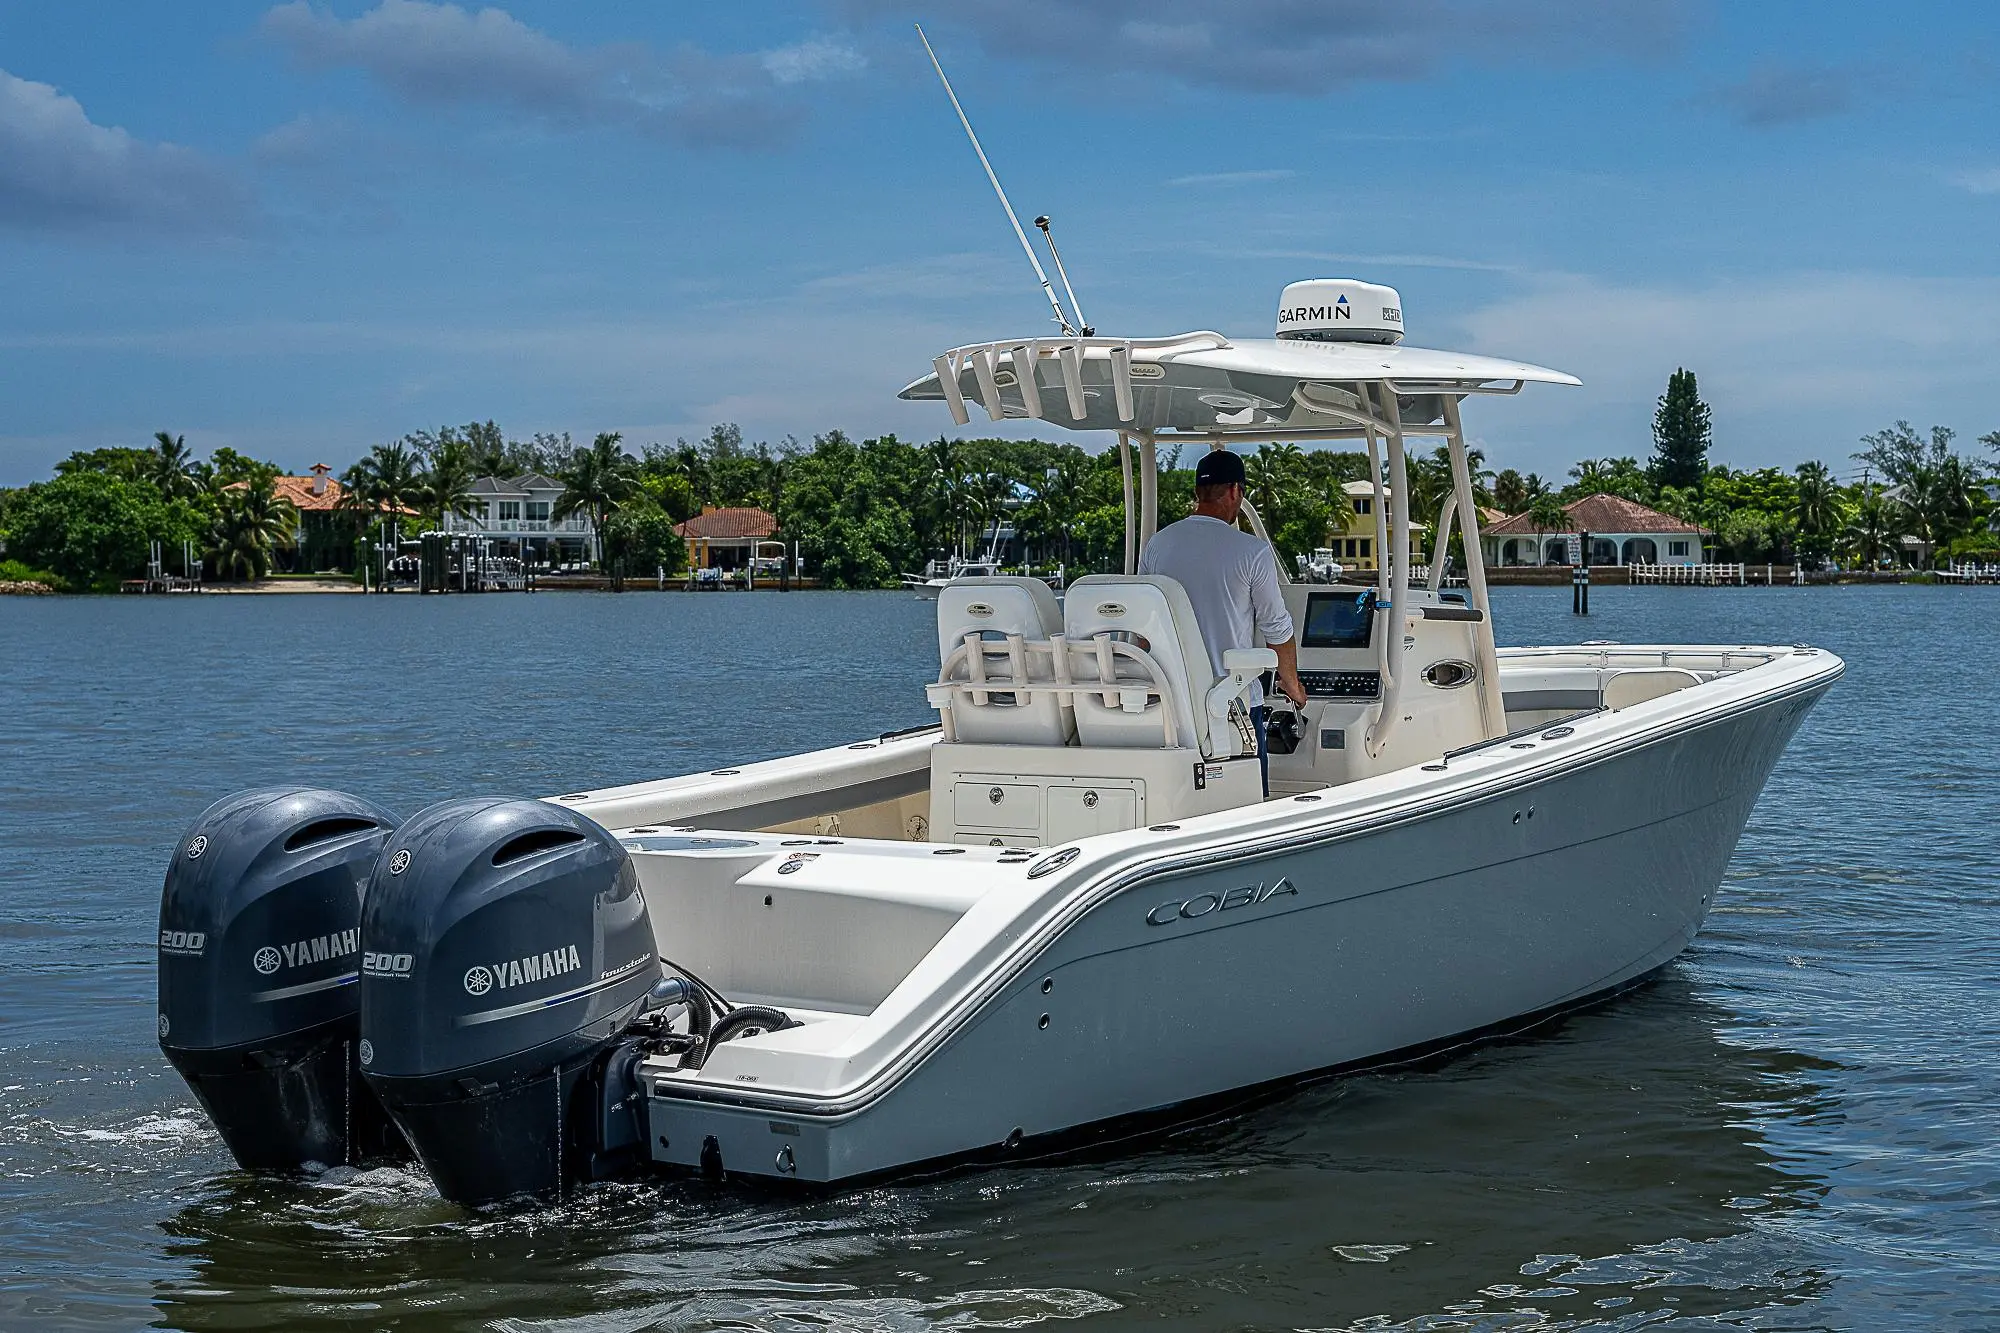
[(1139, 633), (1006, 630), (1638, 684)]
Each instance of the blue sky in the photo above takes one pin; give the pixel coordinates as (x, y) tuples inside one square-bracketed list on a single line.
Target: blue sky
[(305, 228)]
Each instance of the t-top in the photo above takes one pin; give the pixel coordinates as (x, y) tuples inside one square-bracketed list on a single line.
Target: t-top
[(1231, 580)]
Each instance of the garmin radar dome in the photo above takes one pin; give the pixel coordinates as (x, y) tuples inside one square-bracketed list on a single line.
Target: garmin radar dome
[(1340, 310)]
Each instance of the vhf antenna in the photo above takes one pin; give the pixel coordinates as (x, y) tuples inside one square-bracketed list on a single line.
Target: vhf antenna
[(1026, 249), (1063, 273)]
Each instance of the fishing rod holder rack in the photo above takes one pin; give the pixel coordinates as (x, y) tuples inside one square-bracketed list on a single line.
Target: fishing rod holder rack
[(1024, 356)]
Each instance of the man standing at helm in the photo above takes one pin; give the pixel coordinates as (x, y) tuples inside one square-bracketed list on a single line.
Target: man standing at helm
[(1231, 580)]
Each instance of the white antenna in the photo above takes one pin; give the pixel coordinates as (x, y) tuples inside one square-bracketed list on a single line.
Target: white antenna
[(1026, 249), (1043, 223)]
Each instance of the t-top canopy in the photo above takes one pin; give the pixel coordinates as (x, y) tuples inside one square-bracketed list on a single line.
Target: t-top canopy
[(1203, 383)]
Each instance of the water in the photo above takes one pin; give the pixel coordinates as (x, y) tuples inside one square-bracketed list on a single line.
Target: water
[(1794, 1128)]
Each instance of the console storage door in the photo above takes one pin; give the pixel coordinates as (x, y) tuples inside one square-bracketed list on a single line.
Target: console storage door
[(1083, 810), (997, 805)]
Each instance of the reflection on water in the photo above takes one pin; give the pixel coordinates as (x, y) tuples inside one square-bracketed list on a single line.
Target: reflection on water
[(1553, 1177), (1791, 1128)]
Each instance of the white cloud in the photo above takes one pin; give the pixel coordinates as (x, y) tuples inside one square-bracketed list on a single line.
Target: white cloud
[(818, 58), (442, 55), (58, 169), (1236, 177), (1796, 366), (1772, 94), (1305, 47), (1378, 260), (304, 140), (1981, 180)]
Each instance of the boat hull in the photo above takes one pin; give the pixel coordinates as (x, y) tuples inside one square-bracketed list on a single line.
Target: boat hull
[(1179, 986)]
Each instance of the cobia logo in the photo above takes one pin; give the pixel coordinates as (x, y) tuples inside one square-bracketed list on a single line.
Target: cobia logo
[(1246, 895), (481, 978)]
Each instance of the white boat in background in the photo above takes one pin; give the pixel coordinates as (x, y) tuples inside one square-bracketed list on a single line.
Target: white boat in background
[(938, 573), (1320, 567), (1069, 902)]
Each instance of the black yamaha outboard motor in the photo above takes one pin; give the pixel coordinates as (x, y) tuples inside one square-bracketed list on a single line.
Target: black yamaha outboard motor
[(506, 949), (259, 953)]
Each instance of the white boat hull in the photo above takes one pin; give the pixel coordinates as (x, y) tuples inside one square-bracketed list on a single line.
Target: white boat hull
[(1220, 968)]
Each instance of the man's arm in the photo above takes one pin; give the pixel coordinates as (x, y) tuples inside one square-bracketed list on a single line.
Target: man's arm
[(1289, 683), (1267, 607)]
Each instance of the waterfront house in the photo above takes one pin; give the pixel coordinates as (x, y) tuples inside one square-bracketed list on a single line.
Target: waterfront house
[(322, 536), (517, 515), (1351, 536), (1622, 532), (729, 539)]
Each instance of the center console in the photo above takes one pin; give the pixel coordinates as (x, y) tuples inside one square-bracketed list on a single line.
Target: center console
[(1340, 629)]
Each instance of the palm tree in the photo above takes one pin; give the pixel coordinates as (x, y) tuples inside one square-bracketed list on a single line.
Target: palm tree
[(688, 459), (1268, 482), (253, 523), (446, 486), (381, 488), (1060, 499), (988, 495), (1545, 515), (1873, 530), (942, 494), (1817, 506), (596, 481), (172, 466)]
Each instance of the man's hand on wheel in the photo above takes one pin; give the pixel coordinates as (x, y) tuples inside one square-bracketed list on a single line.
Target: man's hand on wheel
[(1290, 686)]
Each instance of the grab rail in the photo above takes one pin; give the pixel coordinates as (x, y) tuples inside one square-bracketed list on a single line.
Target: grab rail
[(1021, 681)]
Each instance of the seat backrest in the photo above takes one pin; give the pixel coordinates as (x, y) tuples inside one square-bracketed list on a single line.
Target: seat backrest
[(1636, 685), (1152, 612), (997, 609), (993, 605)]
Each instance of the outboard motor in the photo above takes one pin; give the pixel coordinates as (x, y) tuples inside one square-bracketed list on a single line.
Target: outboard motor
[(505, 950), (259, 952)]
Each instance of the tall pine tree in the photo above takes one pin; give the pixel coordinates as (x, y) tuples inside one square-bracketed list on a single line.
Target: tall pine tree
[(1680, 434)]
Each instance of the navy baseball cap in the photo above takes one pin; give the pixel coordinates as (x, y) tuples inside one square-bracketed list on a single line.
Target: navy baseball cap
[(1219, 467)]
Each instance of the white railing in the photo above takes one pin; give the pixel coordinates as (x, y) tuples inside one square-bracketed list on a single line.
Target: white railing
[(1969, 572), (1705, 575), (499, 526)]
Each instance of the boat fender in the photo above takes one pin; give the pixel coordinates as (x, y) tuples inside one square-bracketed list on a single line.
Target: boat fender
[(259, 951), (509, 951)]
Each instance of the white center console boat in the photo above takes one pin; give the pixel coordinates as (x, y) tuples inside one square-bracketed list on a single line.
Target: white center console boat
[(1066, 903)]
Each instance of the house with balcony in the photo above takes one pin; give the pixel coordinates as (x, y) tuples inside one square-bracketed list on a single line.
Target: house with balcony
[(1621, 532), (517, 515), (1351, 536)]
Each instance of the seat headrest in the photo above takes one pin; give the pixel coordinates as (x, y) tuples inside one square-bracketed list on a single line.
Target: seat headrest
[(995, 604)]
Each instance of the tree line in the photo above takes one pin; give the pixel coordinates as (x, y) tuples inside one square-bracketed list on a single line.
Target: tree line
[(863, 511)]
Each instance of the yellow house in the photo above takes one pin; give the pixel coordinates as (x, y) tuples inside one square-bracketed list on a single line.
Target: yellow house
[(1351, 536)]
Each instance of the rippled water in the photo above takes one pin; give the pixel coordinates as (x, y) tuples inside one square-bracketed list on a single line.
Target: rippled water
[(1793, 1128)]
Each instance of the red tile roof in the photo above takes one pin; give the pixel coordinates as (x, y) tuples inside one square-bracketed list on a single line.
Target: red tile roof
[(728, 523), (299, 490), (1598, 513)]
